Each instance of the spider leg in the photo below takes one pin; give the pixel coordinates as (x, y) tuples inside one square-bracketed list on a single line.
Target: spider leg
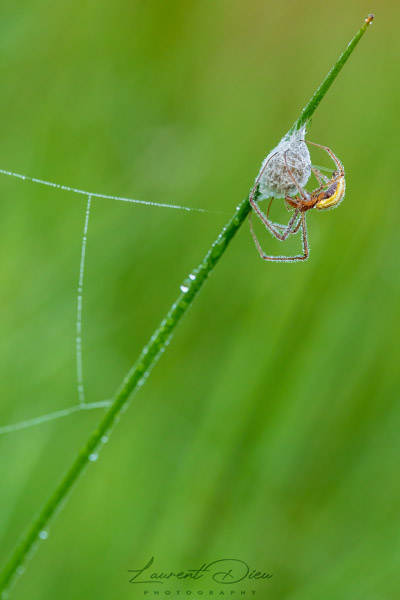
[(269, 207), (320, 177), (301, 190), (296, 258), (256, 208), (286, 230), (274, 224), (335, 159), (282, 227), (295, 229)]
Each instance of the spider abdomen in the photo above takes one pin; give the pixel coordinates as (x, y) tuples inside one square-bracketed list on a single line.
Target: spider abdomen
[(331, 197)]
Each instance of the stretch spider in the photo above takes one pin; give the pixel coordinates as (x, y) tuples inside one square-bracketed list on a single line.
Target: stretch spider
[(328, 195)]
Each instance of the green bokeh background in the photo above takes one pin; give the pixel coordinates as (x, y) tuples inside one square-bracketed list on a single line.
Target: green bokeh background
[(269, 431)]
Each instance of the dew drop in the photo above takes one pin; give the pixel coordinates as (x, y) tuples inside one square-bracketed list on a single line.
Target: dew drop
[(104, 439), (20, 569), (184, 288), (43, 534), (93, 457), (192, 276)]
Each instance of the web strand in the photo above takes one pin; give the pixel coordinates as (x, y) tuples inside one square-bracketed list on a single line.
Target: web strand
[(106, 196), (82, 405), (79, 365), (58, 414)]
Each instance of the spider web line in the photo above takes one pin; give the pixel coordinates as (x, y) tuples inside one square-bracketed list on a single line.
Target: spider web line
[(327, 169), (79, 365), (58, 414), (108, 197), (82, 405)]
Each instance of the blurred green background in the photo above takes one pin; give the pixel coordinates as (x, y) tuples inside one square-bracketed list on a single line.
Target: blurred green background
[(269, 431)]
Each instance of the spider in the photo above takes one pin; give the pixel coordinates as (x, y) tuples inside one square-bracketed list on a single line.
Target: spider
[(328, 195)]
